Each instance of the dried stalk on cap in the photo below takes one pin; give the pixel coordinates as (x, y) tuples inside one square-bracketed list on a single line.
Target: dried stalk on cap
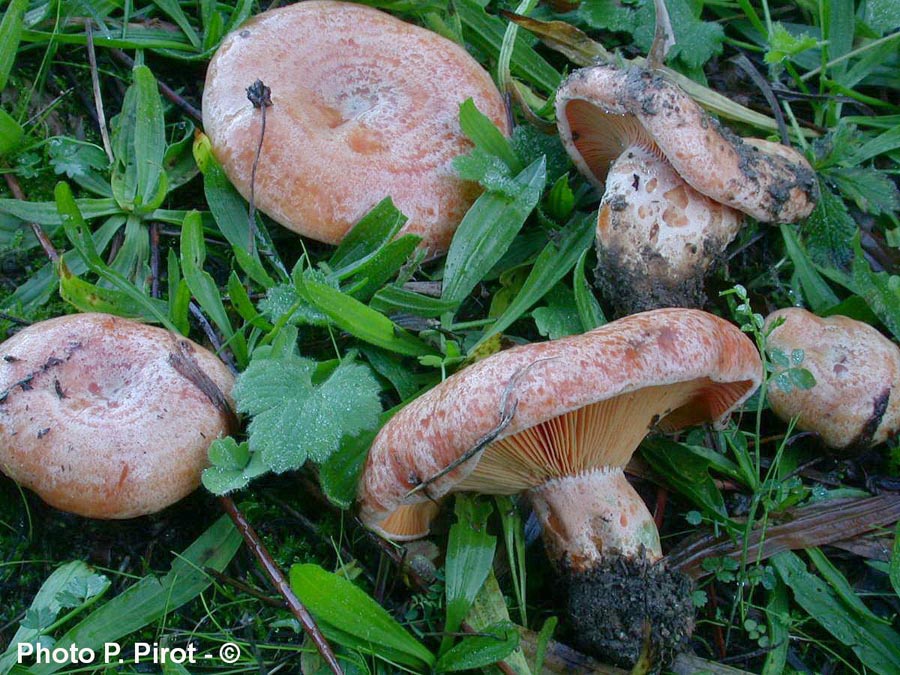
[(558, 421)]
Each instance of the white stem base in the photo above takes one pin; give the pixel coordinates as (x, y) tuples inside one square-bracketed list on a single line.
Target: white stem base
[(594, 515)]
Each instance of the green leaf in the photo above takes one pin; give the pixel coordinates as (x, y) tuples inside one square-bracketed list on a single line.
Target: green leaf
[(815, 289), (82, 162), (696, 41), (174, 11), (73, 585), (203, 286), (784, 45), (232, 466), (373, 231), (883, 143), (339, 474), (138, 137), (487, 230), (494, 643), (383, 264), (351, 618), (487, 170), (151, 598), (829, 231), (559, 317), (486, 33), (841, 586), (486, 136), (882, 16), (551, 265), (894, 569), (875, 644), (880, 290), (10, 34), (777, 615), (470, 553), (514, 540), (11, 133), (589, 310), (360, 320), (297, 415), (873, 191), (122, 297), (687, 471), (391, 299)]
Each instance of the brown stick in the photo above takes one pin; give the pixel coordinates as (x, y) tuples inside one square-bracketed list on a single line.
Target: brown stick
[(277, 579), (42, 237)]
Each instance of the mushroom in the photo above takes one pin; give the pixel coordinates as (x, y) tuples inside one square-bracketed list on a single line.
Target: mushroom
[(675, 183), (364, 106), (558, 421), (856, 368), (106, 417)]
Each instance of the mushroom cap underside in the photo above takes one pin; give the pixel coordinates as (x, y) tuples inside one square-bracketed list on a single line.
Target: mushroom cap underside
[(668, 368), (364, 106), (603, 109), (95, 418)]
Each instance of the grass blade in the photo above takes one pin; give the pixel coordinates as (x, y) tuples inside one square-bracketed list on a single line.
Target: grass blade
[(487, 230)]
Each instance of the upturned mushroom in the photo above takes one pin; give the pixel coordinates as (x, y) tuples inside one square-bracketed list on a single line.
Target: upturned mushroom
[(675, 184), (106, 417), (364, 106), (558, 421), (855, 402)]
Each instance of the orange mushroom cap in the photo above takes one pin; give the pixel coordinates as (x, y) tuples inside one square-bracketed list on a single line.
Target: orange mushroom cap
[(603, 110), (97, 420), (855, 402), (581, 404), (364, 106)]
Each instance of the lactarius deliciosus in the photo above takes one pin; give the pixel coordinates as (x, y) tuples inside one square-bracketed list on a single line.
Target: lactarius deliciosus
[(675, 184), (563, 418), (364, 106), (855, 402), (106, 417)]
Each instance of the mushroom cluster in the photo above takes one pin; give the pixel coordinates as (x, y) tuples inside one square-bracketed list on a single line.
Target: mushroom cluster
[(675, 184), (856, 369), (106, 417), (558, 421), (364, 106)]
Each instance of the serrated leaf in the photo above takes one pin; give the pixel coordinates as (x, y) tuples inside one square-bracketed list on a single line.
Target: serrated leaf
[(295, 418), (559, 317), (233, 466), (872, 190), (339, 474), (784, 45), (829, 231)]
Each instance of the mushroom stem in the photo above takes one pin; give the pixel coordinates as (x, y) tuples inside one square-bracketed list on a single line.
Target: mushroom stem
[(592, 516)]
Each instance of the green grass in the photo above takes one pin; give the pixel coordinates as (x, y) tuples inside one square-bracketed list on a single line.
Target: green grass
[(521, 266)]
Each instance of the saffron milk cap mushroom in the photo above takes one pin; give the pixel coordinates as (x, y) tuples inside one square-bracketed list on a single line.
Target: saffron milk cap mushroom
[(675, 184), (558, 421), (106, 417), (364, 106), (855, 402)]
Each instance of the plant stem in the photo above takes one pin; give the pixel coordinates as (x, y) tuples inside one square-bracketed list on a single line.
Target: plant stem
[(262, 555)]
